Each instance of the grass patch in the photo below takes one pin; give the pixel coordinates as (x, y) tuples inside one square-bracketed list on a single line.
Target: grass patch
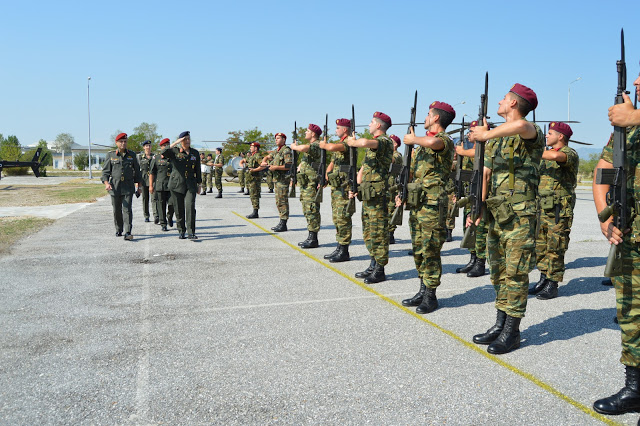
[(13, 229), (47, 195)]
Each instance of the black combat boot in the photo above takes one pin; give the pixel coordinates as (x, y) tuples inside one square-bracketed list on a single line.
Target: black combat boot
[(253, 215), (509, 338), (281, 227), (392, 238), (550, 290), (333, 253), (342, 255), (246, 192), (219, 194), (313, 241), (477, 270), (270, 190), (210, 190), (626, 400), (164, 228), (449, 235), (466, 268), (429, 302), (241, 190), (368, 271), (417, 299), (170, 221), (156, 220), (491, 334), (376, 276), (301, 243), (203, 192), (539, 285)]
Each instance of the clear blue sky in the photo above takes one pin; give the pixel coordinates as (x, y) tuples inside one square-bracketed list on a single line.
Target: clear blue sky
[(213, 67)]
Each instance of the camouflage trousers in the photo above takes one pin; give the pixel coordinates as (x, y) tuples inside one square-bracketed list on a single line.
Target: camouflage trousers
[(451, 218), (270, 180), (427, 239), (480, 248), (310, 208), (282, 198), (511, 249), (341, 217), (375, 228), (218, 178), (253, 184), (206, 181), (552, 244), (628, 303), (241, 178), (391, 206)]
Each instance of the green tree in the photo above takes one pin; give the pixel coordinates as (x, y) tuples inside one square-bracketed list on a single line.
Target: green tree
[(81, 160), (63, 142), (586, 167), (10, 148), (45, 154)]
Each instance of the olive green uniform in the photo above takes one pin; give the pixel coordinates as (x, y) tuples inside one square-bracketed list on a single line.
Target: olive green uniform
[(145, 162), (393, 190), (339, 182), (217, 172), (122, 172), (206, 174), (281, 157), (254, 180), (161, 170), (308, 181), (183, 184)]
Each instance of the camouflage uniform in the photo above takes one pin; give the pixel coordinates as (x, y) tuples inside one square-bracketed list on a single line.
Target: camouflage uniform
[(556, 188), (428, 202), (121, 171), (628, 285), (512, 202), (270, 180), (393, 190), (308, 181), (144, 170), (340, 196), (450, 189), (160, 168), (282, 179), (480, 249), (206, 174), (253, 181), (375, 217), (217, 172), (241, 178)]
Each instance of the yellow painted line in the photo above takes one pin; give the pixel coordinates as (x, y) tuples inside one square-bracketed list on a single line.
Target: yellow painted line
[(469, 345)]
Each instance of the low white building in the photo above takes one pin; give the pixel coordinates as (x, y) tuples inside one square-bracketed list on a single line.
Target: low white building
[(63, 160)]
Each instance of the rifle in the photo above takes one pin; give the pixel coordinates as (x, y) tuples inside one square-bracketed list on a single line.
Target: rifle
[(477, 178), (353, 165), (616, 177), (403, 178), (460, 176), (322, 167), (293, 171)]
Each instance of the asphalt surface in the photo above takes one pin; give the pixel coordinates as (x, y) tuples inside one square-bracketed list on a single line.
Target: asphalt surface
[(242, 327)]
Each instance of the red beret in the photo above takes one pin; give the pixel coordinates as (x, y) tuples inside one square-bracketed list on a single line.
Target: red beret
[(164, 141), (395, 139), (281, 134), (382, 116), (473, 124), (525, 93), (444, 107), (121, 136), (561, 127), (315, 129), (256, 144), (344, 122)]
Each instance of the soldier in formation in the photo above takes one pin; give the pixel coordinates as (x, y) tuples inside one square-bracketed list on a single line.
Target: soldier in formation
[(218, 164), (241, 174), (205, 170), (279, 163), (396, 166), (254, 177)]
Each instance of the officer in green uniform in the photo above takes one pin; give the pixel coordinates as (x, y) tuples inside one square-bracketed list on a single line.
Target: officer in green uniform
[(557, 198), (279, 163), (393, 187), (337, 178), (218, 164), (144, 161), (428, 202), (121, 178), (308, 181), (159, 173), (254, 177), (511, 176), (184, 183), (373, 179), (628, 285)]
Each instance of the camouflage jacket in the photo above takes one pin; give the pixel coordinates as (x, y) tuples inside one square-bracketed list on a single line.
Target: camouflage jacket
[(375, 167), (281, 157), (122, 172), (559, 179), (161, 170), (433, 168), (218, 160), (397, 159), (338, 178), (310, 158)]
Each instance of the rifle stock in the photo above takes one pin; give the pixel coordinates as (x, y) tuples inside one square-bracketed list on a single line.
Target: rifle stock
[(293, 171), (322, 168)]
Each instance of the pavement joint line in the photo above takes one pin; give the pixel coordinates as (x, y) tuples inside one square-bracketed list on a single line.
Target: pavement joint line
[(543, 385)]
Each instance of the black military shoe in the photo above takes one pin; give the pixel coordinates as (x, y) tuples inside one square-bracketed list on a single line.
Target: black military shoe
[(342, 255), (376, 276), (466, 268), (210, 190), (478, 268), (392, 238), (550, 290), (429, 302), (312, 242), (368, 271), (271, 191), (333, 253), (491, 334), (241, 190), (128, 236), (219, 194), (449, 236), (410, 253), (119, 234), (417, 299), (203, 192), (305, 241), (156, 220), (281, 227), (509, 338), (164, 228), (192, 237), (539, 285), (181, 236), (626, 400), (253, 215), (146, 219)]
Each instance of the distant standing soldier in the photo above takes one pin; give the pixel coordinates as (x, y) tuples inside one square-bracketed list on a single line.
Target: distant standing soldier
[(241, 174), (393, 187), (308, 181), (121, 178), (184, 183), (270, 178), (218, 164), (279, 163), (254, 177), (159, 173), (339, 182), (373, 179), (205, 170), (145, 161), (557, 192)]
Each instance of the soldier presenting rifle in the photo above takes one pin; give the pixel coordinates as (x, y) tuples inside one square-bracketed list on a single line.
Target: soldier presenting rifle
[(279, 163), (120, 172), (253, 178), (393, 187)]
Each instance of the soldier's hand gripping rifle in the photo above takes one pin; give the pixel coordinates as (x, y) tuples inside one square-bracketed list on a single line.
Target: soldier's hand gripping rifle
[(322, 167), (293, 171), (460, 176), (477, 178), (352, 173), (403, 178), (616, 178)]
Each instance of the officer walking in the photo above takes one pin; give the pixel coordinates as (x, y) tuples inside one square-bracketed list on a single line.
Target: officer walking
[(159, 173), (145, 161), (121, 178)]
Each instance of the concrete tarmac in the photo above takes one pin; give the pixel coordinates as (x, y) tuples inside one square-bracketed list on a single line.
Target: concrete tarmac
[(243, 327)]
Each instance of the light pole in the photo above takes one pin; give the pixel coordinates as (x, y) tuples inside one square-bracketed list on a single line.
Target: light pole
[(569, 98), (89, 117)]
